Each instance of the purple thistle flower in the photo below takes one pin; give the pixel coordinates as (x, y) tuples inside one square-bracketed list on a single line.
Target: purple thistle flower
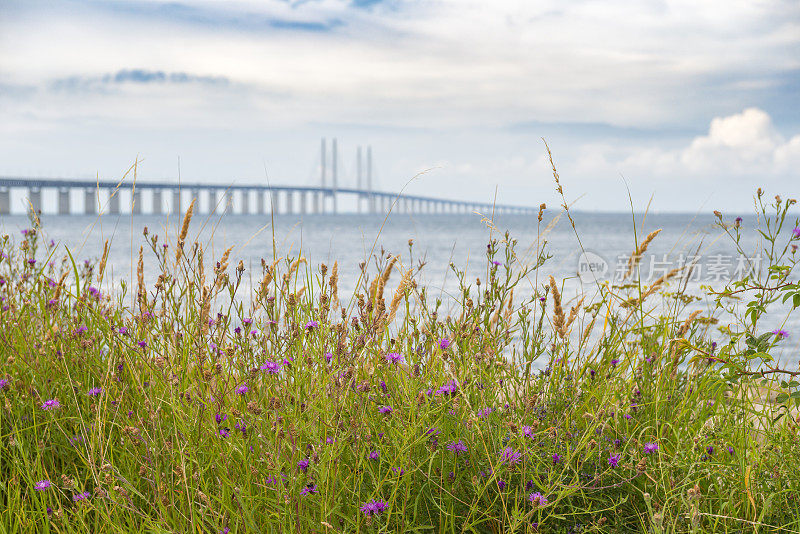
[(303, 464), (650, 448), (241, 390), (374, 455), (81, 329), (123, 330), (373, 507), (710, 450), (142, 344), (328, 357), (385, 409), (796, 232), (483, 414), (42, 485), (394, 357), (510, 456), (613, 460), (527, 431), (51, 404), (444, 343), (557, 458), (224, 432), (3, 383), (495, 262), (311, 325), (457, 447), (220, 417), (399, 471), (308, 490), (614, 362), (271, 367), (537, 499), (81, 496), (94, 392), (730, 450), (781, 333), (432, 432), (448, 388)]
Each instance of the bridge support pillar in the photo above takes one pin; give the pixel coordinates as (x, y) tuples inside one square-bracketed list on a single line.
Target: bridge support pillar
[(195, 195), (275, 202), (261, 204), (113, 201), (136, 202), (316, 203), (289, 202), (245, 202), (157, 202), (303, 202), (176, 201), (63, 201), (35, 198), (89, 201), (228, 202), (5, 201)]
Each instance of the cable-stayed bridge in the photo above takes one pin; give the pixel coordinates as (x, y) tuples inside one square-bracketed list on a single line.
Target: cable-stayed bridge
[(113, 197)]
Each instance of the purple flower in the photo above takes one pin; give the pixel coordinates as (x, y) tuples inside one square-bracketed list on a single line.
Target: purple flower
[(311, 325), (444, 343), (483, 414), (710, 450), (42, 485), (328, 357), (3, 383), (796, 232), (81, 329), (303, 464), (614, 362), (241, 390), (308, 490), (613, 460), (432, 432), (374, 455), (650, 448), (271, 367), (94, 392), (448, 388), (385, 409), (457, 447), (781, 333), (220, 417), (123, 330), (394, 357), (557, 458), (373, 507), (537, 499), (142, 344), (51, 404), (495, 262), (399, 470), (527, 430), (81, 496), (224, 432), (510, 456), (730, 450)]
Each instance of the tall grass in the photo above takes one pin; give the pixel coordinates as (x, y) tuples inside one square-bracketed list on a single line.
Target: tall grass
[(187, 406)]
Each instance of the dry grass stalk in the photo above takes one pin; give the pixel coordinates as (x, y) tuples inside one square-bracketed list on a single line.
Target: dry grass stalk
[(573, 313), (205, 307), (333, 282), (400, 292), (102, 266), (559, 320), (141, 293), (688, 323), (60, 285), (265, 282), (380, 282), (509, 306), (637, 254), (652, 289), (187, 218), (295, 264)]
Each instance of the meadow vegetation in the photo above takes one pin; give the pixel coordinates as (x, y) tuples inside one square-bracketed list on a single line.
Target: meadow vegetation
[(188, 406)]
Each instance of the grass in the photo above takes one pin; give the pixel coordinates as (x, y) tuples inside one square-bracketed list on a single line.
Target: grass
[(191, 407)]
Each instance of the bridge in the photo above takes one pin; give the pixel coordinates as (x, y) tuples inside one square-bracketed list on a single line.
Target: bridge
[(104, 196)]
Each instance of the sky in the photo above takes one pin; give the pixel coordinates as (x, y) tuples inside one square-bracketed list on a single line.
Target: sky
[(682, 105)]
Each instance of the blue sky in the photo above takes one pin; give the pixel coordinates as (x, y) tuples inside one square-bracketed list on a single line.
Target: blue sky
[(665, 97)]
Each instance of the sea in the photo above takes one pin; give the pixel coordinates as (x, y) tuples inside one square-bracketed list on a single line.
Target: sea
[(583, 250)]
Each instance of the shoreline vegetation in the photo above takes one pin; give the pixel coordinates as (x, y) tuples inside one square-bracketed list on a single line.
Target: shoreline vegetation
[(184, 407)]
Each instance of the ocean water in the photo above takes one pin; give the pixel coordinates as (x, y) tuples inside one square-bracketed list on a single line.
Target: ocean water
[(603, 243)]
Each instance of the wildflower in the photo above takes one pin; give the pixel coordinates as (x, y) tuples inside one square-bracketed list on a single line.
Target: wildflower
[(81, 329), (780, 333), (311, 325), (271, 367), (730, 450), (557, 458), (224, 432), (614, 362), (94, 392), (142, 344), (399, 470), (495, 262), (385, 409), (501, 484), (308, 490), (527, 430), (328, 357), (123, 330), (510, 456), (650, 448), (796, 232), (444, 343), (483, 414), (373, 507), (710, 450), (303, 464), (51, 404), (457, 447), (81, 496), (432, 432), (448, 388), (42, 485), (241, 390), (537, 499), (394, 357), (374, 455), (613, 460), (3, 383), (220, 417)]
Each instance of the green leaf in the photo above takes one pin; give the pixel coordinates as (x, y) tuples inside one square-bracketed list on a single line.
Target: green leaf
[(781, 398)]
